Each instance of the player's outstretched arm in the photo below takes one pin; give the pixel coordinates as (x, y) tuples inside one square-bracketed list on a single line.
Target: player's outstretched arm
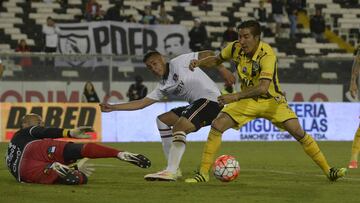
[(251, 92), (128, 106), (206, 59)]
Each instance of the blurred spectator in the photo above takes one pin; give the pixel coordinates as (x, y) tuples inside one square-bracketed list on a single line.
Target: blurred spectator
[(1, 69), (147, 16), (198, 36), (114, 13), (131, 19), (92, 11), (317, 25), (292, 9), (51, 35), (23, 47), (163, 16), (277, 7), (173, 44), (89, 93), (198, 2), (230, 34), (137, 90), (260, 13)]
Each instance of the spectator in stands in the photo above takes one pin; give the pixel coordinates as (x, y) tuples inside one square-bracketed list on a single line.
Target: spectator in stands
[(25, 61), (51, 35), (22, 46), (89, 93), (92, 11), (163, 16), (261, 15), (173, 44), (230, 34), (147, 16), (198, 36), (292, 9), (114, 13), (131, 19), (317, 25), (137, 90), (277, 7), (1, 69)]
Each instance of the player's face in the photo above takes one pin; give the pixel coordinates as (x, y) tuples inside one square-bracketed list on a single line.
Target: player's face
[(173, 46), (156, 64), (249, 42)]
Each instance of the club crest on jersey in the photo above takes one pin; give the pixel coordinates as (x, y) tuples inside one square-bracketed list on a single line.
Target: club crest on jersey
[(175, 77), (50, 151), (244, 69), (255, 66)]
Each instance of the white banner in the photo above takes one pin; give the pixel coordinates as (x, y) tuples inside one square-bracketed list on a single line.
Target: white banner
[(324, 121), (109, 37), (71, 91)]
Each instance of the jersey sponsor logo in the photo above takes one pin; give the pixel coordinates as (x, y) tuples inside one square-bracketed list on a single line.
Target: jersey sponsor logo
[(244, 69)]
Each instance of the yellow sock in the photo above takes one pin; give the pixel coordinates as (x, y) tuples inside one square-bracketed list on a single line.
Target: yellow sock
[(210, 149), (312, 149), (355, 146)]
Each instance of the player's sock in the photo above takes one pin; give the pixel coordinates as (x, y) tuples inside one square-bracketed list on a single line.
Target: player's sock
[(166, 136), (92, 150), (176, 151), (355, 146), (312, 149), (210, 149)]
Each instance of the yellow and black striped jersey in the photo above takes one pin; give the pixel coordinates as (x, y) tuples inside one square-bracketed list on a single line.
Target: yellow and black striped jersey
[(263, 65)]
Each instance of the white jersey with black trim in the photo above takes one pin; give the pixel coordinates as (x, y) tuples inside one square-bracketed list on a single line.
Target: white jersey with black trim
[(184, 83)]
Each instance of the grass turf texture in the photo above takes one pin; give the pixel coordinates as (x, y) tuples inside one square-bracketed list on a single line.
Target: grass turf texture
[(270, 172)]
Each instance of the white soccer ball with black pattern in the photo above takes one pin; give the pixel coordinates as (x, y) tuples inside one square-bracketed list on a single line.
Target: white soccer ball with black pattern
[(226, 168)]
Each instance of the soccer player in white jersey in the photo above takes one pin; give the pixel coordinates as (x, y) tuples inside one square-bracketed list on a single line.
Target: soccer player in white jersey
[(355, 93), (195, 87)]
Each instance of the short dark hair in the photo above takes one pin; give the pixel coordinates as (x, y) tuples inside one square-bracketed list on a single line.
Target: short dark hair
[(175, 35), (253, 25), (150, 54)]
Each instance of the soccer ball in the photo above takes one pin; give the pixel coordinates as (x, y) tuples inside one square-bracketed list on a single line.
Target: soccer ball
[(226, 168)]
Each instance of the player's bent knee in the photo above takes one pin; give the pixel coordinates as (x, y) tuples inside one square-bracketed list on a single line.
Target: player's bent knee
[(75, 177)]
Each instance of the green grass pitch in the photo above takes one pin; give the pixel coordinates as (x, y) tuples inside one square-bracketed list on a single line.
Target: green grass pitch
[(270, 172)]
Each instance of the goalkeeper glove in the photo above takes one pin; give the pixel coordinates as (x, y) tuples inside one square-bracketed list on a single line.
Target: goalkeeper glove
[(84, 167), (80, 132)]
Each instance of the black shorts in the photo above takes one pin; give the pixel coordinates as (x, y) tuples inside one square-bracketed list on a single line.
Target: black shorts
[(201, 112)]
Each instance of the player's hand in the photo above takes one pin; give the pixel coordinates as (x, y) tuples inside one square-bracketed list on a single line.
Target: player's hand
[(227, 98), (193, 64), (353, 90), (60, 169), (227, 75), (80, 132), (84, 167), (105, 107)]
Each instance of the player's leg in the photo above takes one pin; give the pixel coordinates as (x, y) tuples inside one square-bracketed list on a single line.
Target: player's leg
[(164, 123), (312, 149), (199, 113), (74, 151), (222, 122), (355, 149)]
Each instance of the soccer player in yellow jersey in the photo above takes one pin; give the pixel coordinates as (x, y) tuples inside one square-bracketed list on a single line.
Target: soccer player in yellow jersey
[(260, 97), (354, 90)]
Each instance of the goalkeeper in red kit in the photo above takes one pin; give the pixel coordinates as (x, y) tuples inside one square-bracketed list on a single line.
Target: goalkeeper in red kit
[(34, 156)]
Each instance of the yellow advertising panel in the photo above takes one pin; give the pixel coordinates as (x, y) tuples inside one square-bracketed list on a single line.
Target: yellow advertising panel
[(60, 115)]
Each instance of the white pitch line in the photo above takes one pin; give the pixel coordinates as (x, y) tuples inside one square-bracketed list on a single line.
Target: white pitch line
[(250, 169)]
